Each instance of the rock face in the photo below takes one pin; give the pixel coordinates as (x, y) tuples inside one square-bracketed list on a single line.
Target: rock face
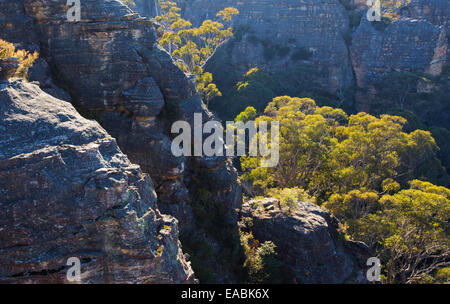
[(110, 67), (284, 26), (405, 45), (148, 8), (68, 191), (308, 244), (8, 66), (268, 34), (435, 11)]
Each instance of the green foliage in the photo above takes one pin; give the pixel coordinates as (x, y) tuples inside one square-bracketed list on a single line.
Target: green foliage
[(443, 275), (254, 89), (418, 94), (353, 205), (208, 211), (389, 6), (408, 230), (442, 136), (257, 90), (325, 151), (423, 100), (247, 115), (402, 83), (289, 197), (200, 251), (261, 261), (191, 47)]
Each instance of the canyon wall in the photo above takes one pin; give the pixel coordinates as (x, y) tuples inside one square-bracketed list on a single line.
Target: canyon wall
[(405, 45), (110, 67), (348, 54), (272, 31)]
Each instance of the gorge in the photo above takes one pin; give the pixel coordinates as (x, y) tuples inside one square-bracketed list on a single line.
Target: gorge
[(86, 165)]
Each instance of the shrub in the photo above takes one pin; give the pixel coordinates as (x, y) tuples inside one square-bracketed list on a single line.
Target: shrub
[(261, 262), (25, 59)]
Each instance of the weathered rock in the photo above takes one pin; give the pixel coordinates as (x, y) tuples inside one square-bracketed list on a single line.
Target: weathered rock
[(404, 46), (68, 191), (114, 71), (317, 26), (148, 8), (111, 66), (8, 67), (308, 243), (435, 11)]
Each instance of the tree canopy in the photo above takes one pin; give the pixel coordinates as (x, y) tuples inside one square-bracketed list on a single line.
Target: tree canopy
[(364, 170), (190, 46)]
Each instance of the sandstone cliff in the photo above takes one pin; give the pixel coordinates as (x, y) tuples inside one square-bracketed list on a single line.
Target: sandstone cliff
[(435, 11), (281, 29), (109, 66), (330, 47), (68, 191)]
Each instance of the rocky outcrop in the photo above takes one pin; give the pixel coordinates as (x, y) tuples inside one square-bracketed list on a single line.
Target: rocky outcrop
[(272, 35), (307, 242), (110, 67), (149, 8), (68, 191), (435, 11), (405, 45)]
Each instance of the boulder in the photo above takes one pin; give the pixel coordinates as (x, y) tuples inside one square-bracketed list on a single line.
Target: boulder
[(307, 241), (67, 191)]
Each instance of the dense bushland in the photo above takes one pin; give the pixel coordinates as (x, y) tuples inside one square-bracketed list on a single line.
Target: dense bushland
[(365, 170)]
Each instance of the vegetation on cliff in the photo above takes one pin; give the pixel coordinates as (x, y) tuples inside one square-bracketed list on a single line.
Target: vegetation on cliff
[(364, 169), (192, 46), (24, 58)]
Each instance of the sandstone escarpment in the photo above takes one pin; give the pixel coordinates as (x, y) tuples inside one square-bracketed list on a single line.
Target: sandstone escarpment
[(68, 191), (284, 36), (405, 45), (434, 11), (112, 68), (308, 243), (273, 31)]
